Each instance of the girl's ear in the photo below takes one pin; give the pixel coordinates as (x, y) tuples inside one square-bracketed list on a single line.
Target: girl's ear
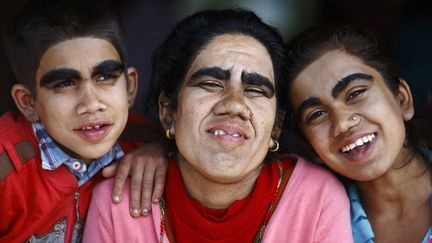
[(25, 102), (132, 86), (405, 100), (166, 111)]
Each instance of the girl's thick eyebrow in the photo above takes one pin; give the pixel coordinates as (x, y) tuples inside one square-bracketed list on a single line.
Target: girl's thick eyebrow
[(59, 74), (257, 79), (312, 101), (344, 82), (215, 72), (108, 66)]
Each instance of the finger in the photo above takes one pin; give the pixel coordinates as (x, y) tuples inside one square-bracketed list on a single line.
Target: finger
[(136, 182), (147, 188), (110, 170), (159, 182), (121, 176)]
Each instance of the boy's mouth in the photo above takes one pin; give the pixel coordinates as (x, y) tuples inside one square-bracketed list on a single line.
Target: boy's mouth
[(94, 131)]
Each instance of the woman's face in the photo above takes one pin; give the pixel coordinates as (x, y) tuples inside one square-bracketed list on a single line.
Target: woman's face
[(350, 117), (226, 109)]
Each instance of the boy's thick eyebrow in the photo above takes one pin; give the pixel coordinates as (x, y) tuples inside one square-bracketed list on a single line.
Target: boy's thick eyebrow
[(312, 101), (108, 66), (258, 80), (215, 72), (59, 74), (344, 82)]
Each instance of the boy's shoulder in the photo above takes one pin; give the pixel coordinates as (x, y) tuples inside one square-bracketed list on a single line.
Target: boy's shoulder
[(17, 142)]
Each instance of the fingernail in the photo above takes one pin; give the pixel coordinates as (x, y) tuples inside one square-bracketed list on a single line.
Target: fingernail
[(135, 212), (155, 200), (116, 198), (145, 211)]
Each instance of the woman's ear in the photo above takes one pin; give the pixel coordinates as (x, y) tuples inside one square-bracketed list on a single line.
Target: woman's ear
[(405, 100), (166, 111), (132, 85), (25, 102)]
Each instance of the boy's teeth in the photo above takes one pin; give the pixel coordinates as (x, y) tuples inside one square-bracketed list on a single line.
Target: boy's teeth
[(358, 142)]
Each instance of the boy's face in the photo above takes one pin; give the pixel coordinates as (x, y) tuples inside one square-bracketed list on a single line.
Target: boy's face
[(82, 97)]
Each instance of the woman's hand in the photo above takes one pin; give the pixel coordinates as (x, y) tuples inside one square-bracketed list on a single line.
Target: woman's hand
[(147, 166)]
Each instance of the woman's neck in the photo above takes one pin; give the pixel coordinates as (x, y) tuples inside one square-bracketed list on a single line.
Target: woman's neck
[(213, 193)]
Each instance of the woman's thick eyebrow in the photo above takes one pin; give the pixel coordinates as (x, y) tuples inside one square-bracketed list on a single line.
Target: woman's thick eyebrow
[(257, 79), (59, 74), (215, 72), (344, 82), (108, 66)]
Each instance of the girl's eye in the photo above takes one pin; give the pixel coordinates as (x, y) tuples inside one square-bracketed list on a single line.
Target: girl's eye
[(107, 77), (314, 116), (354, 94), (64, 84)]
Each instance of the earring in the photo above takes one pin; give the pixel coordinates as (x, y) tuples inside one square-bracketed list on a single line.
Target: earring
[(168, 134), (276, 147)]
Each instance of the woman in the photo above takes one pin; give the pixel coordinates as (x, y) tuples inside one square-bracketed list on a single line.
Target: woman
[(356, 111), (217, 78)]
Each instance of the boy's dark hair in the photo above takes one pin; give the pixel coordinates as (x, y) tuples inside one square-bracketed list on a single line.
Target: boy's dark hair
[(315, 41), (40, 24), (174, 56)]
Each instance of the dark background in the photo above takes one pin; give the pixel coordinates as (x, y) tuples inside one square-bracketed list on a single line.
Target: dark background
[(404, 25)]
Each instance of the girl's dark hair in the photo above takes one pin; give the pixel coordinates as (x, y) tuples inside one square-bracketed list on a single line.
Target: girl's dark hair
[(315, 41)]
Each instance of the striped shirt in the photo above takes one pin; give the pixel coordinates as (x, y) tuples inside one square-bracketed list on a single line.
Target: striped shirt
[(53, 156)]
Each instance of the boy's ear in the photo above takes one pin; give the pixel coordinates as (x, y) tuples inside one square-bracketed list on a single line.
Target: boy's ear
[(405, 100), (166, 112), (25, 102), (132, 85), (277, 128)]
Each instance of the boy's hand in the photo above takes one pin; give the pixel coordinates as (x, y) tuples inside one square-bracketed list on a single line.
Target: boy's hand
[(147, 165)]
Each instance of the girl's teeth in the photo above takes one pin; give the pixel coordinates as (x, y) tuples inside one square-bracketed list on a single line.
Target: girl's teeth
[(358, 142)]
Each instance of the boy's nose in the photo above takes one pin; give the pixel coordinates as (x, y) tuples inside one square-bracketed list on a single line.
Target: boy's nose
[(90, 102)]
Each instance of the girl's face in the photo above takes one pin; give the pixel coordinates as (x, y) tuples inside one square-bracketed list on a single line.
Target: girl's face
[(350, 117)]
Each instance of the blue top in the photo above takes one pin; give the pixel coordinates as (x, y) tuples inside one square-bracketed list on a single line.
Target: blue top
[(361, 227)]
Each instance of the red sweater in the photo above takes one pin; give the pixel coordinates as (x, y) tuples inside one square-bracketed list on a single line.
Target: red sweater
[(37, 203), (192, 222)]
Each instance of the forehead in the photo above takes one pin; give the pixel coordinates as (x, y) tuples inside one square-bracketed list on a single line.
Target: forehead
[(235, 52), (79, 53), (323, 74)]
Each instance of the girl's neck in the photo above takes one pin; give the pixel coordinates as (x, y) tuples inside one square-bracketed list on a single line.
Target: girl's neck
[(401, 187)]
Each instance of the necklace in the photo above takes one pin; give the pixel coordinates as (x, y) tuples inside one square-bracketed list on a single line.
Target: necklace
[(281, 184)]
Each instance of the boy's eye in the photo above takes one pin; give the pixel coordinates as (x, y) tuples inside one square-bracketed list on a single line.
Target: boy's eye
[(355, 94), (314, 116), (64, 84)]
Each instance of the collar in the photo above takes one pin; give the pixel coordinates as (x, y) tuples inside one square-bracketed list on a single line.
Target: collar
[(53, 156)]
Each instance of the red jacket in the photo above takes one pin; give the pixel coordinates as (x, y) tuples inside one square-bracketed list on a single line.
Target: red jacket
[(37, 203)]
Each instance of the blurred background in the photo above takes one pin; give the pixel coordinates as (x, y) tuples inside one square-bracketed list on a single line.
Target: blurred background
[(404, 25)]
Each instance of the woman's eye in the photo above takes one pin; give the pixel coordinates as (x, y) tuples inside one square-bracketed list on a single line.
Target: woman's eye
[(354, 94), (107, 77), (254, 92), (314, 116), (211, 85)]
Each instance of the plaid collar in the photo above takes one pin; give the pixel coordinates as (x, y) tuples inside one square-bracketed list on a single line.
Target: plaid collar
[(53, 156)]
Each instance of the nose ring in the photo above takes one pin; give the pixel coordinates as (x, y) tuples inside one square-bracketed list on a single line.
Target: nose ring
[(250, 114), (355, 117)]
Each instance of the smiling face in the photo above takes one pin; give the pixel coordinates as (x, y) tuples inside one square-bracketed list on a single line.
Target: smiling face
[(350, 117), (82, 96), (226, 109)]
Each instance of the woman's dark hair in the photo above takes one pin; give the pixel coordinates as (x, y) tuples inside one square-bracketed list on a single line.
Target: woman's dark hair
[(315, 41), (173, 57)]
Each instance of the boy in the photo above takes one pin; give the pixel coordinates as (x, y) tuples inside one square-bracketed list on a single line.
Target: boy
[(74, 92)]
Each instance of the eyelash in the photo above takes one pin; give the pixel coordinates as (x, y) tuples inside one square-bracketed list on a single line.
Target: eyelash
[(355, 94), (63, 84)]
